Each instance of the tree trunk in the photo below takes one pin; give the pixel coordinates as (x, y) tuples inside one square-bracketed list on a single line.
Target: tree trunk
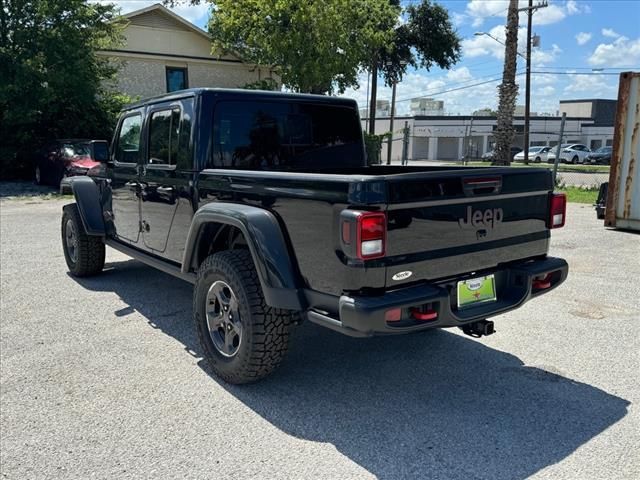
[(508, 90), (374, 94)]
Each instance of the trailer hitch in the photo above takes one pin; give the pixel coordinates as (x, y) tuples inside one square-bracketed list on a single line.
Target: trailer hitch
[(479, 328)]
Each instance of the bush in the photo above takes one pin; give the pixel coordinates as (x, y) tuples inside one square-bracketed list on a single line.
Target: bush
[(373, 146), (52, 83)]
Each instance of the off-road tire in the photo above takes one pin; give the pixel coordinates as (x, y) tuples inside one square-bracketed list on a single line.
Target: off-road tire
[(90, 250), (265, 330)]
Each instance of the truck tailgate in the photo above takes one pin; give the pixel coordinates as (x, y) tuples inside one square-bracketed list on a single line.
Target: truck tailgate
[(464, 221)]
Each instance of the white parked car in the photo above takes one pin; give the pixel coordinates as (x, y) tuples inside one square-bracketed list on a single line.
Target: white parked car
[(569, 153), (536, 155)]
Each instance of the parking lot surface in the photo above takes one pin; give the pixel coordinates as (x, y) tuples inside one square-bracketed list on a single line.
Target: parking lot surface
[(102, 378)]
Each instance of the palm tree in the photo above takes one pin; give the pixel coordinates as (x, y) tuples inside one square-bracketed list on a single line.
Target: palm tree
[(508, 90)]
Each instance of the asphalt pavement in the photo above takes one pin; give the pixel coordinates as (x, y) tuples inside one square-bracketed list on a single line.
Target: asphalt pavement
[(102, 378)]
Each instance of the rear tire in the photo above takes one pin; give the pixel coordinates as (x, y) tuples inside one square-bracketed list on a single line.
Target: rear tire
[(242, 338), (575, 159), (84, 253), (538, 160)]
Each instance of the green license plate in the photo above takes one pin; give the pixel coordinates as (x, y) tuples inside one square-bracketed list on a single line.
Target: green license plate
[(476, 290)]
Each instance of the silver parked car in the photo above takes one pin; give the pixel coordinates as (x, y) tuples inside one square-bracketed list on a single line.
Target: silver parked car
[(536, 154)]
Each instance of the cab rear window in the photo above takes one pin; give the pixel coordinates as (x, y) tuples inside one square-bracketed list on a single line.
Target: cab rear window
[(285, 135)]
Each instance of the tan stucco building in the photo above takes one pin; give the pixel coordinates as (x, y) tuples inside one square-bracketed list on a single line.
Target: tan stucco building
[(164, 52)]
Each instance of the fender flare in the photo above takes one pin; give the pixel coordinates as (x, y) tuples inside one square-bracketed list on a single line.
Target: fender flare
[(87, 196), (276, 271)]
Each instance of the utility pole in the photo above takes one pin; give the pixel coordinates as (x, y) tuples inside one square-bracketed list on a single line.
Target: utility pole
[(374, 93), (558, 148), (393, 113), (527, 102)]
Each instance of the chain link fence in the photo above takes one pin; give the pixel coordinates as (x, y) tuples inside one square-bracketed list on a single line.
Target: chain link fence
[(573, 171)]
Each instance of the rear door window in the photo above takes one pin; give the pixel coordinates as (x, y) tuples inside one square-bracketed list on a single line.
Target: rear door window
[(128, 145), (164, 131), (286, 135)]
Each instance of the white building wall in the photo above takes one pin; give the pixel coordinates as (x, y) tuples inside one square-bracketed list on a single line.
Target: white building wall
[(146, 76)]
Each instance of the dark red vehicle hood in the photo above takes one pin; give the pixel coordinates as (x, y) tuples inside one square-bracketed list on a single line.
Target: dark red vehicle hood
[(83, 162)]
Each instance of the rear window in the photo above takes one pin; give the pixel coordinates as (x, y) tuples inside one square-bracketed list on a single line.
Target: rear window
[(285, 135)]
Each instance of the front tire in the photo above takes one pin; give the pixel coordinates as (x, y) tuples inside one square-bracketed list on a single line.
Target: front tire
[(83, 253), (243, 339)]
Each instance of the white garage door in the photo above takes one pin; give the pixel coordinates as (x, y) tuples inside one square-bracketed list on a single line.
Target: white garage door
[(420, 148), (447, 148)]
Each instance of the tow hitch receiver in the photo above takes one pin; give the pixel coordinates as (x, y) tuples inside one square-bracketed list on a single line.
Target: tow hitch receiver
[(479, 328)]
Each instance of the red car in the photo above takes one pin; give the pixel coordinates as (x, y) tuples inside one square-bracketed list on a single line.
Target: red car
[(68, 158)]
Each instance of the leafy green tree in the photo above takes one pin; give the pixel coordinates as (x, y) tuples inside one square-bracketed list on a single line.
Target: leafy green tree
[(317, 46), (426, 38), (52, 83)]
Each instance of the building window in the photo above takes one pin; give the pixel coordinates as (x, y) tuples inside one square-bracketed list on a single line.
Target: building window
[(176, 79)]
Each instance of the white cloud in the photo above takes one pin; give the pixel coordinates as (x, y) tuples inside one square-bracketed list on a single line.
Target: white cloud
[(541, 57), (544, 91), (479, 10), (545, 16), (583, 37), (458, 19), (593, 85), (196, 14), (621, 53), (459, 75), (611, 33), (473, 95), (573, 7), (480, 45)]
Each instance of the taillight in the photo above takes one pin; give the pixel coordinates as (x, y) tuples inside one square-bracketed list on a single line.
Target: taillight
[(368, 229), (371, 231), (557, 210)]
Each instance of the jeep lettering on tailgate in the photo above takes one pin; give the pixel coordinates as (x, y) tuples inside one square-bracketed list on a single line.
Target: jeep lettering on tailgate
[(488, 218)]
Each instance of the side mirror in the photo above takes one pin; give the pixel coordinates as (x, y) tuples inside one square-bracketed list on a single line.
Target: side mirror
[(101, 152)]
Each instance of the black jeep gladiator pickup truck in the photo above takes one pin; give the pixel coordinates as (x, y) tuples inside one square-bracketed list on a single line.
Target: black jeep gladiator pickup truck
[(264, 201)]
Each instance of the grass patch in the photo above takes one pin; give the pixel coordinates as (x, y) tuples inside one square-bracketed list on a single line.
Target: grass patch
[(563, 167), (580, 195)]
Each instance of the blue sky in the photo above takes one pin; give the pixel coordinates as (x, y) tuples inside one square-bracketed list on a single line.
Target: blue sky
[(575, 37)]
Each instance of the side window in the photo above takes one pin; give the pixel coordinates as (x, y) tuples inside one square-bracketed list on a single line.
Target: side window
[(128, 146), (164, 131)]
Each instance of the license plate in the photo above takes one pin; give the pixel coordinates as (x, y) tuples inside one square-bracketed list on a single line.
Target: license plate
[(476, 290)]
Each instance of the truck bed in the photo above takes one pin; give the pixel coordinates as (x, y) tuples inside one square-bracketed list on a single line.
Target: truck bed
[(431, 230)]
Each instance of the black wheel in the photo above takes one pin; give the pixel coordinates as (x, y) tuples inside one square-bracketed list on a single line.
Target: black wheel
[(84, 253), (538, 160), (242, 338), (574, 159)]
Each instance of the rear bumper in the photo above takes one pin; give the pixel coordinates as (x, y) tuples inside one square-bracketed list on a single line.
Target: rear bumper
[(364, 316)]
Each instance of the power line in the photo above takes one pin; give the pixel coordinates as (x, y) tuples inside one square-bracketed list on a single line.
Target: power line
[(454, 89), (589, 68), (576, 73)]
